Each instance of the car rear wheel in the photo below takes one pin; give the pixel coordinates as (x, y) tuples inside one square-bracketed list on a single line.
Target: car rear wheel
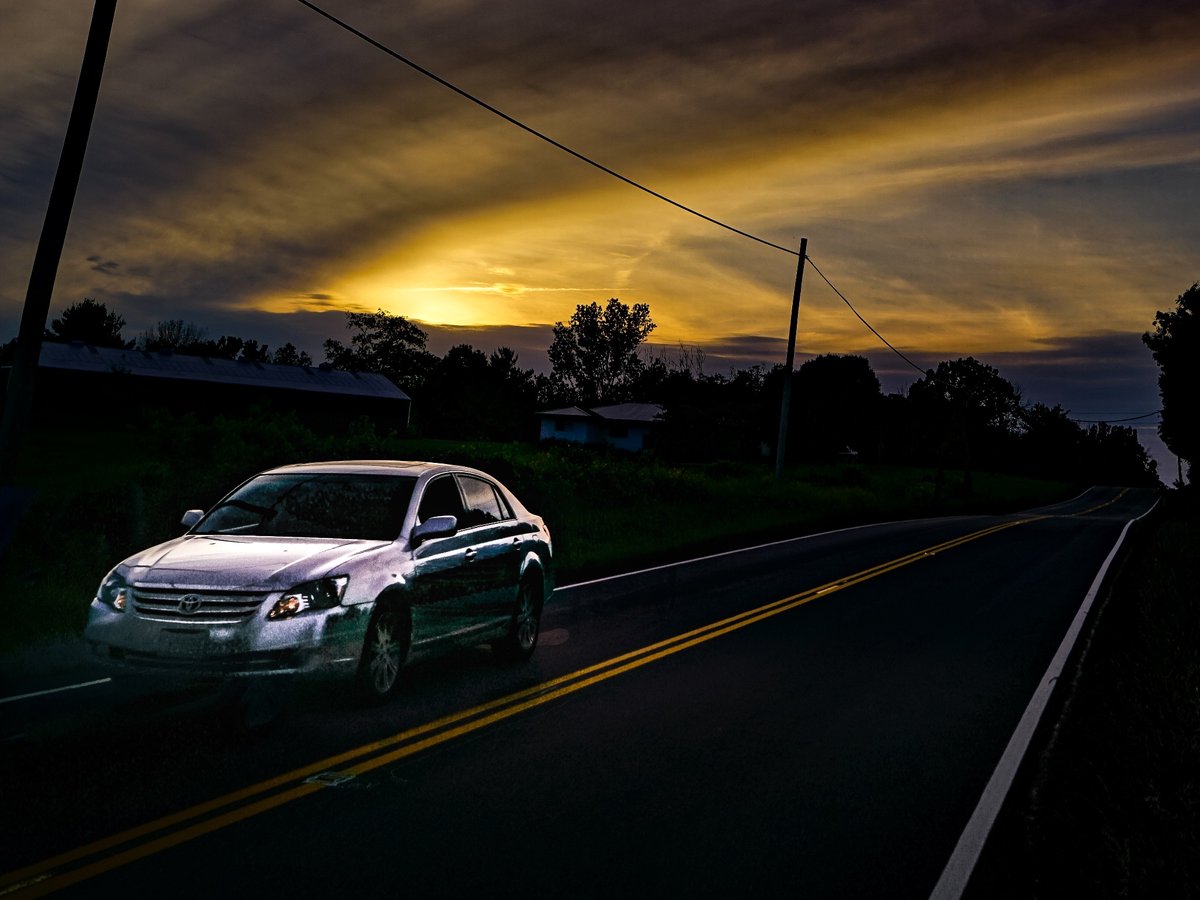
[(384, 652), (522, 637)]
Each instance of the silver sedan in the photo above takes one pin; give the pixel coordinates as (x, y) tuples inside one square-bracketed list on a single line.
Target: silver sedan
[(354, 567)]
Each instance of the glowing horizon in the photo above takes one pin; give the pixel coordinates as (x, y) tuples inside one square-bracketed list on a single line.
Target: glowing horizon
[(991, 180)]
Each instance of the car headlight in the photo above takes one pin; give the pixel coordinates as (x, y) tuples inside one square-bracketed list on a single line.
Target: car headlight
[(114, 591), (323, 593)]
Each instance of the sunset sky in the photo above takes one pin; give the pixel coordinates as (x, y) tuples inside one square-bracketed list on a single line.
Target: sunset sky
[(1014, 180)]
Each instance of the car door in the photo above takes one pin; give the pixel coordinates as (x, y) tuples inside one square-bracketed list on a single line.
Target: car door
[(496, 548), (445, 582)]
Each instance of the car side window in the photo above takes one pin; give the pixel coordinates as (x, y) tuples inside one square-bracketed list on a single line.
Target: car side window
[(483, 505), (441, 499)]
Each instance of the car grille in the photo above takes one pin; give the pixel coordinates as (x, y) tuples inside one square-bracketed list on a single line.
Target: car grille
[(210, 607)]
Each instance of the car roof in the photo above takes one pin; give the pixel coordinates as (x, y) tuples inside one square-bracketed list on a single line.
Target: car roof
[(410, 468), (400, 467)]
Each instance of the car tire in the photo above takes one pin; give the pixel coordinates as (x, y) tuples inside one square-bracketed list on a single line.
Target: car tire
[(522, 637), (385, 649)]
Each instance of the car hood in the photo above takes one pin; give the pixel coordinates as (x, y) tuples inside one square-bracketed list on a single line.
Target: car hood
[(227, 561)]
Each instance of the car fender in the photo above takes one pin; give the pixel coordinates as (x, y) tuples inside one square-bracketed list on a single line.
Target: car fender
[(533, 561), (366, 586)]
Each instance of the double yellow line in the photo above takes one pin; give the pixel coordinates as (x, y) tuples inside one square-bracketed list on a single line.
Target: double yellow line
[(169, 831)]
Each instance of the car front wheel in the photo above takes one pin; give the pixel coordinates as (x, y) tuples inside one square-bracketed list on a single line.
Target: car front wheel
[(384, 652)]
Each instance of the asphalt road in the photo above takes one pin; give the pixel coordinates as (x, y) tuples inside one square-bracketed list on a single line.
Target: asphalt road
[(814, 718)]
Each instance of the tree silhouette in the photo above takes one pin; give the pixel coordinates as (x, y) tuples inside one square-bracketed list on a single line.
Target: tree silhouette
[(594, 358), (384, 343), (470, 395), (838, 406), (1052, 444), (227, 346), (1175, 343), (1113, 455), (288, 355), (174, 335), (965, 403), (254, 351), (185, 338), (710, 417), (1055, 446), (91, 322)]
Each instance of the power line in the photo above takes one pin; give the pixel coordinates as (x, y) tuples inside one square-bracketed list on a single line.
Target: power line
[(861, 319), (533, 131), (1116, 421), (399, 57)]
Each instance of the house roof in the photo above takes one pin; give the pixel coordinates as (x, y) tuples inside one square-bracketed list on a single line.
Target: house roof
[(630, 412), (81, 357), (568, 411), (617, 412)]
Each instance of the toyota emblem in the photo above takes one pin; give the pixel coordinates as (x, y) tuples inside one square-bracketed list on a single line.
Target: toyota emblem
[(190, 604)]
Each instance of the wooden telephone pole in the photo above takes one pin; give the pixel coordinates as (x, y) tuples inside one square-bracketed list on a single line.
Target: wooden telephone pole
[(18, 397), (784, 407)]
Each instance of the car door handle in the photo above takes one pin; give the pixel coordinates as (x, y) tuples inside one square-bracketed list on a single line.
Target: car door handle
[(471, 554)]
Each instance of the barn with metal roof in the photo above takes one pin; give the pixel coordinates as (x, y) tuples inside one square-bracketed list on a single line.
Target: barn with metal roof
[(75, 377)]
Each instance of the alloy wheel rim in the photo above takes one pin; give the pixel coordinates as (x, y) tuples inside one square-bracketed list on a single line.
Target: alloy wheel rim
[(527, 620), (385, 661)]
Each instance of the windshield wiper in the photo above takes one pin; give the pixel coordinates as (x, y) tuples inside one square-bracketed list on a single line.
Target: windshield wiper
[(265, 511)]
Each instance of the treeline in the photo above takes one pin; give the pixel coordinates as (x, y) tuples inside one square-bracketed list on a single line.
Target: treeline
[(961, 415)]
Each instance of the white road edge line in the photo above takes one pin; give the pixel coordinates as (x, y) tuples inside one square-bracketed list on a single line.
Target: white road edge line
[(688, 562), (802, 537), (960, 866), (57, 690)]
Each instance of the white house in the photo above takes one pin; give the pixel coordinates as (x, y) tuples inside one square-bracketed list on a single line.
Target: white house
[(626, 426)]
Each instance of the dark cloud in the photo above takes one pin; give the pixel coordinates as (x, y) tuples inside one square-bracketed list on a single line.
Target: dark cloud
[(104, 266)]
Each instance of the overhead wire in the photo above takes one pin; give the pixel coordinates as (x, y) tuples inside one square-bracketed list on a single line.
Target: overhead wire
[(1157, 412), (850, 305), (399, 57), (512, 120)]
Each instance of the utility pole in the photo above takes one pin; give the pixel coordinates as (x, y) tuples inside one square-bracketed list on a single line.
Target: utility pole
[(784, 407), (18, 397)]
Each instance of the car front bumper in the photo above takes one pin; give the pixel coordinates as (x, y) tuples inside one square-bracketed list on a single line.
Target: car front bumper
[(318, 642)]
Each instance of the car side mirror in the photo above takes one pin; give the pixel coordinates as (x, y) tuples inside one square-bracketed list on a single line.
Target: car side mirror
[(190, 518), (434, 527)]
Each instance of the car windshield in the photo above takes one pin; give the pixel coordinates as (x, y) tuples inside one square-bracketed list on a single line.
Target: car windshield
[(368, 507)]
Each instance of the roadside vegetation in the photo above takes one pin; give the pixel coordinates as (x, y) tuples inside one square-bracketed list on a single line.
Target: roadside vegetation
[(1110, 807), (100, 496), (962, 414)]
